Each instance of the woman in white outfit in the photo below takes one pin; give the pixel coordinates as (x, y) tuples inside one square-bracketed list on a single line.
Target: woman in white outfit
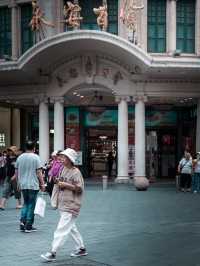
[(70, 190)]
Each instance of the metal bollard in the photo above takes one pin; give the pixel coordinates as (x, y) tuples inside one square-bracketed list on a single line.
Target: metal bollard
[(105, 182)]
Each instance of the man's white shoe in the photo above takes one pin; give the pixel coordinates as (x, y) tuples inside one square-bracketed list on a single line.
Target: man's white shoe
[(49, 256)]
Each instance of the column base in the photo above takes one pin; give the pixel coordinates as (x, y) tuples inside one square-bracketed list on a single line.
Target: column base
[(122, 180), (141, 183)]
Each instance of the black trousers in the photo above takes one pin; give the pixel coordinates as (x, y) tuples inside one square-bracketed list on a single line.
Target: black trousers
[(49, 187), (186, 180)]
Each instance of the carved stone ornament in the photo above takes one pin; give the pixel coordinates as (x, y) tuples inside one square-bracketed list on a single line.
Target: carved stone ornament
[(73, 73), (105, 72), (60, 81), (89, 67), (118, 76)]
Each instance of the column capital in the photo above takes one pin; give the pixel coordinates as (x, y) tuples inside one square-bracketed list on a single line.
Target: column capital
[(120, 98), (55, 99), (138, 98), (12, 4), (41, 99)]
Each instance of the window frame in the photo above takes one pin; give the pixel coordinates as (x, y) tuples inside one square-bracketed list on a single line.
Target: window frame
[(26, 45), (153, 23), (5, 32), (186, 41)]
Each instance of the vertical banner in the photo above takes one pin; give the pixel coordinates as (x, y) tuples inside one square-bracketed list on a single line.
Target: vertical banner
[(72, 136)]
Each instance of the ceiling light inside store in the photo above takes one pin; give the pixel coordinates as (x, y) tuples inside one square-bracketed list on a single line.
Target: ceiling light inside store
[(103, 137)]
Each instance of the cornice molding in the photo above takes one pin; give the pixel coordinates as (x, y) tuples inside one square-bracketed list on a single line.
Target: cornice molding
[(136, 64)]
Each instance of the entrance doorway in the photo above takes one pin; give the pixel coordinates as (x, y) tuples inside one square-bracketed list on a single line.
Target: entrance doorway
[(101, 141), (161, 153)]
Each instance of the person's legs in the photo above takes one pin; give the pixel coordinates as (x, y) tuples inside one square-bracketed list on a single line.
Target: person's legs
[(7, 189), (182, 181), (17, 194), (25, 206), (188, 182), (63, 229), (32, 197), (77, 237), (60, 235)]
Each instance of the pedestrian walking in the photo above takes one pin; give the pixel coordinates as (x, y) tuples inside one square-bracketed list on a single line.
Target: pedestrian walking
[(10, 185), (185, 170), (29, 174), (70, 191), (196, 174)]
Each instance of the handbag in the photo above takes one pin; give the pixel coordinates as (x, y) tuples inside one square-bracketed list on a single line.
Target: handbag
[(40, 207), (54, 196)]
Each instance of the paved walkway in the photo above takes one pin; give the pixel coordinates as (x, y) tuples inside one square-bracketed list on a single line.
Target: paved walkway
[(120, 226)]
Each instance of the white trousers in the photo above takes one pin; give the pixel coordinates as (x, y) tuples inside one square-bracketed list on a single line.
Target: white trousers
[(66, 227)]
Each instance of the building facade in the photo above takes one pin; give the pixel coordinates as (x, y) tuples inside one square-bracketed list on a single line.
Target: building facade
[(132, 88)]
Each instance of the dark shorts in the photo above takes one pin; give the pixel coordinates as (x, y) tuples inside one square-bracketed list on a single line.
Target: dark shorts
[(10, 188)]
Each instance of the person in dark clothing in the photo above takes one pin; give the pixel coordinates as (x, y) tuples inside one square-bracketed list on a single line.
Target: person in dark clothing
[(10, 186), (110, 160)]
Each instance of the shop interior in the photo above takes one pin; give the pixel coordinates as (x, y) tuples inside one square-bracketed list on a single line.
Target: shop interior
[(101, 141)]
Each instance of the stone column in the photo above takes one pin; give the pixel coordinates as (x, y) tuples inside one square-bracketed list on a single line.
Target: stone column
[(15, 29), (44, 130), (16, 127), (143, 26), (198, 127), (59, 16), (58, 123), (122, 172), (171, 26), (197, 28), (140, 180)]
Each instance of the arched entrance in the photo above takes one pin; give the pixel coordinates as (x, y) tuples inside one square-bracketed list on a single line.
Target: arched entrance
[(89, 85)]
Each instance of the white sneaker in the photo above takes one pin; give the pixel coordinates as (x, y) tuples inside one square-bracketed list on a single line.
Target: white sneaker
[(78, 253), (49, 256)]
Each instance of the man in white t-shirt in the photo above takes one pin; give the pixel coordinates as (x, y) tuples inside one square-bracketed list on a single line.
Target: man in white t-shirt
[(29, 174), (185, 170)]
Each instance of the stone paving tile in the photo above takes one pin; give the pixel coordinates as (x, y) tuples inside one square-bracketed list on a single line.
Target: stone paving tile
[(120, 226)]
